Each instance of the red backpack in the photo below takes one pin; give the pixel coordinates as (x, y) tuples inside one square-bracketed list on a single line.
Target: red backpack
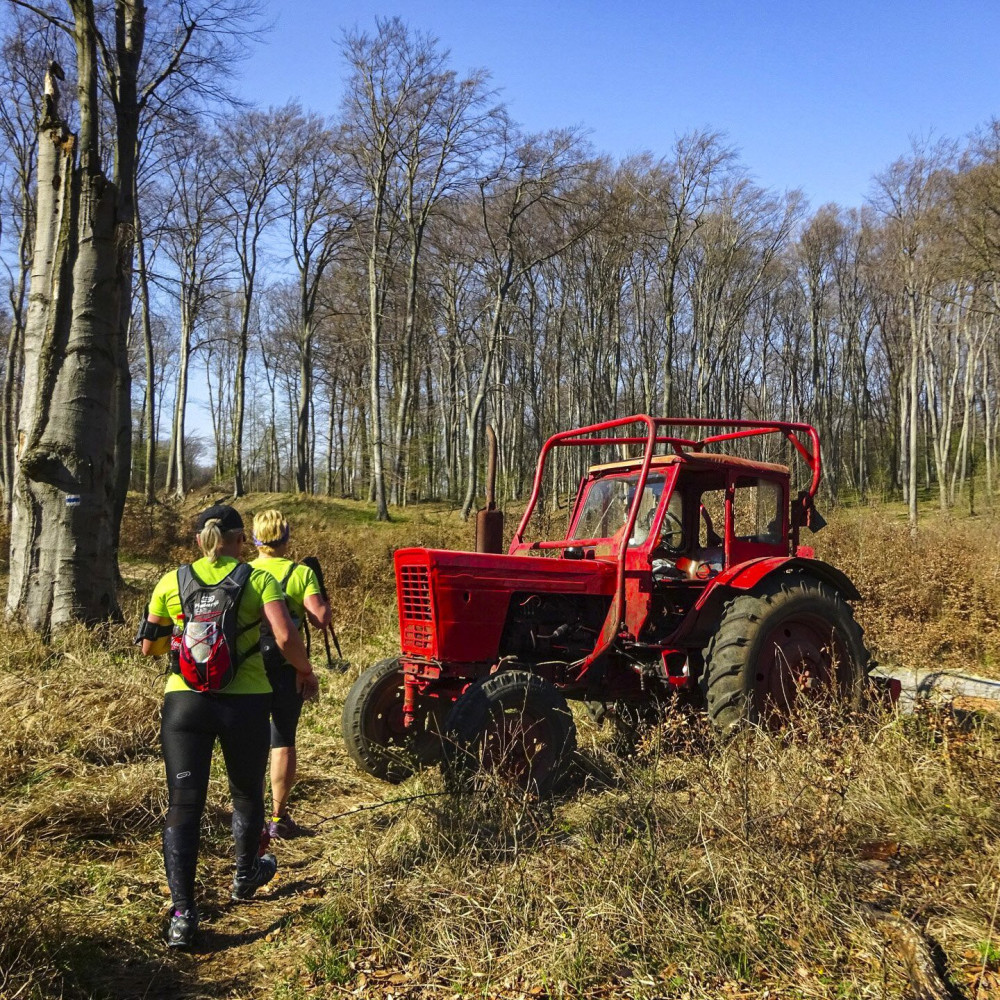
[(206, 648)]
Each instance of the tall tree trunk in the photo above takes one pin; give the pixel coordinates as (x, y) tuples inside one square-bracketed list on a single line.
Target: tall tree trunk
[(63, 529), (8, 406), (476, 409), (149, 484), (12, 366), (302, 464), (130, 33), (406, 368), (180, 408), (375, 361), (239, 403), (912, 414)]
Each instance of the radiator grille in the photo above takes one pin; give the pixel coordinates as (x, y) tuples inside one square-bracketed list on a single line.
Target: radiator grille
[(416, 593), (417, 635)]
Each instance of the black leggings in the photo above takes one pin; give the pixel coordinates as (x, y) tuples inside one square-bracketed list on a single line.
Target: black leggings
[(190, 723)]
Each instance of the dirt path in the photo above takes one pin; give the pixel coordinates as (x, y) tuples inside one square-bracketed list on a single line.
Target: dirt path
[(240, 951), (253, 949)]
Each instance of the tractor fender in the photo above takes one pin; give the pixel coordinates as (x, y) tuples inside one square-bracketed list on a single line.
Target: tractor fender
[(747, 575)]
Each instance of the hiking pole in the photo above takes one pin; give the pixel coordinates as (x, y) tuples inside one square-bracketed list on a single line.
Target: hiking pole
[(313, 563)]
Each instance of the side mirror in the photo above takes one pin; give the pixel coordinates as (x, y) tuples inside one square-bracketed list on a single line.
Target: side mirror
[(815, 520), (804, 512)]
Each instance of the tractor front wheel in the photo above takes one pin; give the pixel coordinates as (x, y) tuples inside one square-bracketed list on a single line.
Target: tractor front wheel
[(514, 727), (377, 741), (791, 641)]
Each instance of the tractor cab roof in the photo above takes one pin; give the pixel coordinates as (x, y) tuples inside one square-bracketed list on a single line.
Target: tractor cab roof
[(703, 460)]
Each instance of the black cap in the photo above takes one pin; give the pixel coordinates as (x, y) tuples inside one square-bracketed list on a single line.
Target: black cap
[(228, 517)]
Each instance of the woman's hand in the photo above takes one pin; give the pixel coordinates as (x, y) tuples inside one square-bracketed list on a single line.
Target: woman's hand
[(307, 685)]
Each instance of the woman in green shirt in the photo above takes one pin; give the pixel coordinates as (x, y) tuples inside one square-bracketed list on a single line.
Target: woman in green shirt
[(236, 714), (271, 533)]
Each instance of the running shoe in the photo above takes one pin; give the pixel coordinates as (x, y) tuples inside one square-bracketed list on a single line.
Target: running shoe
[(182, 929), (284, 827), (261, 873)]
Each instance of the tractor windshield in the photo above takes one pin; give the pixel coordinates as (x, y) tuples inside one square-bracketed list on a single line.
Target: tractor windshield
[(606, 506)]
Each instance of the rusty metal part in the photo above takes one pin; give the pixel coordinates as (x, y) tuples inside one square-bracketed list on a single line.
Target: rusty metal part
[(489, 520)]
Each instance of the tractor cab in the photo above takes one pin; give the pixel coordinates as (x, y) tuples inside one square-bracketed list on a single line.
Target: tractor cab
[(696, 515)]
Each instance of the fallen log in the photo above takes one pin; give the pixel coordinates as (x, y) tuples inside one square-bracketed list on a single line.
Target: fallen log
[(913, 951), (965, 690)]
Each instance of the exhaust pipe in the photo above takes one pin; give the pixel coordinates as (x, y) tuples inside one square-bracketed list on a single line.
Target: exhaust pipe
[(489, 520)]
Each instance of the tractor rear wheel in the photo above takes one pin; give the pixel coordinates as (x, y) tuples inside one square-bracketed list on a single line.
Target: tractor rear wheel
[(377, 741), (791, 641), (515, 727)]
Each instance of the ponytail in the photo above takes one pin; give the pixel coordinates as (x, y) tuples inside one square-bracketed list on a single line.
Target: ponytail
[(210, 539)]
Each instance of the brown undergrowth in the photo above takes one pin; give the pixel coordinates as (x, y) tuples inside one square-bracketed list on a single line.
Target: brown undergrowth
[(699, 869), (773, 862), (930, 602)]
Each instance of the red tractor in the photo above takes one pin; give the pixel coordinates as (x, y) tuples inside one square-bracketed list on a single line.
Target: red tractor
[(680, 574)]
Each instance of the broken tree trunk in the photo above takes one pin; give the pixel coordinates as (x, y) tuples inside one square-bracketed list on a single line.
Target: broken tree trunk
[(62, 565)]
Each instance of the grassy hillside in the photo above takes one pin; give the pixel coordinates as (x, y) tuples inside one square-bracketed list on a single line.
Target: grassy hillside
[(830, 861)]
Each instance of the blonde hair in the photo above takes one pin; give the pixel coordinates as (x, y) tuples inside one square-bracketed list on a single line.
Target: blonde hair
[(211, 538), (270, 531)]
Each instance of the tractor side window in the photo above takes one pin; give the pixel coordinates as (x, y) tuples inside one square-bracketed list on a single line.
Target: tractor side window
[(757, 511), (711, 519)]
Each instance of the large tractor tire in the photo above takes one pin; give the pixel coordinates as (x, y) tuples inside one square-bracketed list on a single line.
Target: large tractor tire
[(377, 741), (514, 728), (792, 640)]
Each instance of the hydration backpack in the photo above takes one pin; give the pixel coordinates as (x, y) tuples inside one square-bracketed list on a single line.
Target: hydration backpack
[(268, 645), (206, 648)]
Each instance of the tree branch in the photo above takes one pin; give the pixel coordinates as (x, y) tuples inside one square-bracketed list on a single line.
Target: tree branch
[(171, 67), (58, 22)]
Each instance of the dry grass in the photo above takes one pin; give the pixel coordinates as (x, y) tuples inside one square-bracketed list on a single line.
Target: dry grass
[(932, 602), (694, 869), (700, 869)]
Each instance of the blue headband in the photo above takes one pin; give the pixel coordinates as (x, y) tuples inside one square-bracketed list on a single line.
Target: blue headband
[(286, 532)]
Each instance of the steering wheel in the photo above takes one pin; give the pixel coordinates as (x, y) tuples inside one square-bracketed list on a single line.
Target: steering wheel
[(672, 534)]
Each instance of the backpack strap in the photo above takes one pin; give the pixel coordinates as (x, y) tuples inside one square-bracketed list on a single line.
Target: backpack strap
[(265, 628), (288, 576), (187, 583), (240, 577)]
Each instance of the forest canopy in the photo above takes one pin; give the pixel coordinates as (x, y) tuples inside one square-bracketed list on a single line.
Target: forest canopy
[(341, 304)]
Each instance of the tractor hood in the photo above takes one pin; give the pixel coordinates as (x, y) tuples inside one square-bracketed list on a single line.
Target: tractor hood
[(454, 605)]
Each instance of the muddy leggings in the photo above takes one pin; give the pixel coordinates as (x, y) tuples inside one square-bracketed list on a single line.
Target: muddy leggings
[(190, 724)]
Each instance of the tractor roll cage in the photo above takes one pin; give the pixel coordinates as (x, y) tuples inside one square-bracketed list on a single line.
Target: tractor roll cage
[(587, 437)]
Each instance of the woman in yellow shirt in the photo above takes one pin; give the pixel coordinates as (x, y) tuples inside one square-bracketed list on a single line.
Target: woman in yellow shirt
[(235, 714), (271, 533)]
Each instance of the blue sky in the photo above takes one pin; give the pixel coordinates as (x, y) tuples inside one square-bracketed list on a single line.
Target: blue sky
[(815, 95)]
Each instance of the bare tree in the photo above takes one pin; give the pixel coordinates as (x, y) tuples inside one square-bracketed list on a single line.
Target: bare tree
[(528, 214), (318, 225), (383, 78), (906, 194), (257, 160), (193, 241), (24, 58)]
